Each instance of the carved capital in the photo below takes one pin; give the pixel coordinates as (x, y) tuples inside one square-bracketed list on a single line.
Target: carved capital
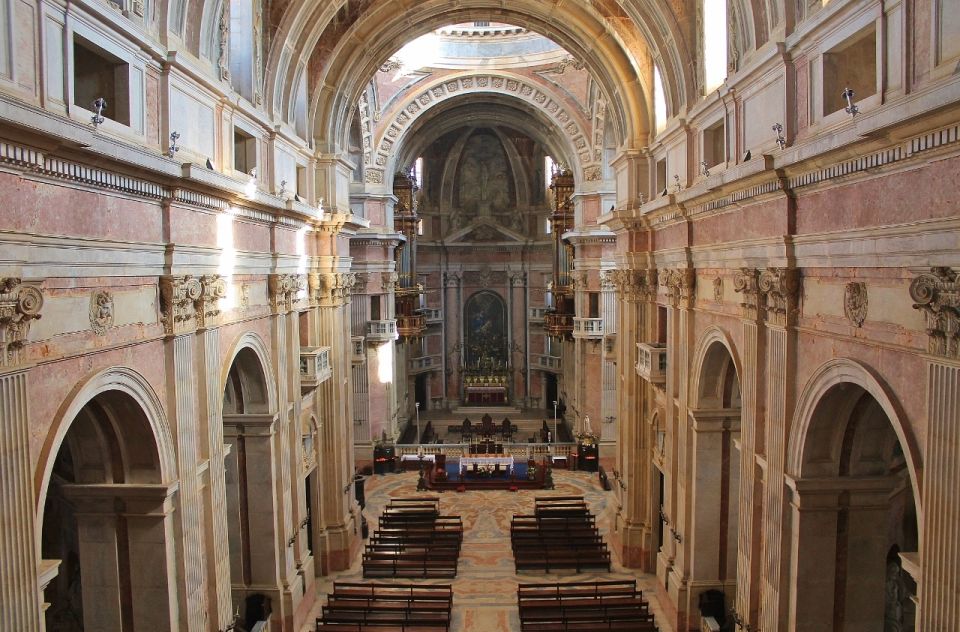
[(284, 290), (388, 281), (745, 282), (518, 279), (578, 280), (19, 306), (679, 286), (451, 279), (633, 285), (178, 297), (207, 306), (101, 312), (855, 303), (937, 295), (780, 288)]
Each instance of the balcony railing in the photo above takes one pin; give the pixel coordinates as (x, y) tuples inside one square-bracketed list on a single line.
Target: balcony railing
[(548, 363), (556, 324), (411, 326), (314, 367), (424, 364), (652, 362), (357, 356), (588, 328), (537, 314), (433, 315), (381, 330)]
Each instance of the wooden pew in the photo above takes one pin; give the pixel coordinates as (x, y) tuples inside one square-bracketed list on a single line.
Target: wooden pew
[(582, 606)]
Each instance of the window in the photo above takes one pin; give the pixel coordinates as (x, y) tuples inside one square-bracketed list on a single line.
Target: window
[(418, 172), (481, 23), (594, 304), (661, 176), (375, 307), (714, 43), (714, 146), (244, 151), (98, 74), (659, 101), (851, 64), (661, 324), (301, 181), (548, 228), (548, 167)]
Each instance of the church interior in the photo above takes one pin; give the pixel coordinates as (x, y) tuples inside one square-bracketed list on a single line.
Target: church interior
[(306, 304)]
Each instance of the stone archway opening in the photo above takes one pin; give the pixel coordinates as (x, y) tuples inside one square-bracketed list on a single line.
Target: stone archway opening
[(715, 477), (854, 512), (107, 523)]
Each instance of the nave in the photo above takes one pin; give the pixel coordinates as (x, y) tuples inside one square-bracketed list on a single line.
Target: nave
[(485, 587)]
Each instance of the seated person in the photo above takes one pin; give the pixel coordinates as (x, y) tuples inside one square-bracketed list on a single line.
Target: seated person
[(440, 474)]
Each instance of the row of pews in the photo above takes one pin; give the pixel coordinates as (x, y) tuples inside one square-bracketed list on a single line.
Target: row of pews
[(413, 539), (560, 534), (386, 608), (584, 606)]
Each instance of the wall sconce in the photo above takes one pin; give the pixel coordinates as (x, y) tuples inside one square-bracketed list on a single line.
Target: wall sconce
[(676, 536), (98, 106), (233, 624), (781, 141), (617, 477), (703, 169), (292, 539), (173, 149), (739, 621), (851, 108)]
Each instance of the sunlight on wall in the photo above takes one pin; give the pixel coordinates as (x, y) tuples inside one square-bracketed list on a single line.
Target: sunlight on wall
[(385, 363), (301, 248), (714, 42), (659, 102), (228, 255)]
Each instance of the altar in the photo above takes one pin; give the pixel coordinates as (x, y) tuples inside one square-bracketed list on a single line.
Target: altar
[(485, 395), (486, 463)]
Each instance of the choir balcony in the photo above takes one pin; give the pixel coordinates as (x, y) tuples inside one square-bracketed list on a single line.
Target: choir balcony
[(381, 330), (558, 324), (652, 362), (588, 328), (548, 363), (357, 355), (434, 315), (536, 315), (424, 364), (314, 367), (411, 326)]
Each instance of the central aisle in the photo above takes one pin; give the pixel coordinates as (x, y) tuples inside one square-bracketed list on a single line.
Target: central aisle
[(485, 590)]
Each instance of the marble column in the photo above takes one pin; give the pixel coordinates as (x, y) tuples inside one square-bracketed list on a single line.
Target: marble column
[(20, 598), (519, 392), (19, 591), (937, 295), (453, 352), (747, 604), (779, 288)]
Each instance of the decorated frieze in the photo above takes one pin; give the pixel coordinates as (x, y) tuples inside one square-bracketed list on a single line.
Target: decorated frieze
[(937, 295), (20, 305), (855, 303)]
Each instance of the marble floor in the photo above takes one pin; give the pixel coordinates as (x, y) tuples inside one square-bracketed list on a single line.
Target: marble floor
[(485, 590)]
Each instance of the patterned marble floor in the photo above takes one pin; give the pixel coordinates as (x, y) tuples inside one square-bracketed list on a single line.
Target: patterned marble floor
[(485, 590)]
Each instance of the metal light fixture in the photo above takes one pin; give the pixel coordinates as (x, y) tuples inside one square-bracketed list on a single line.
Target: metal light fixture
[(98, 106), (781, 141), (851, 108), (173, 149)]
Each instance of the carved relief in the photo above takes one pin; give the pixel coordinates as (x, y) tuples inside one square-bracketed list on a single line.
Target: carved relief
[(578, 280), (223, 56), (101, 312), (937, 295), (678, 285), (632, 285), (855, 303), (19, 306), (284, 289), (451, 279), (718, 290), (388, 281), (207, 306)]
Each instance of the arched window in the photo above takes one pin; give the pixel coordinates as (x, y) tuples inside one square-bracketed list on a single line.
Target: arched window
[(659, 101), (714, 43)]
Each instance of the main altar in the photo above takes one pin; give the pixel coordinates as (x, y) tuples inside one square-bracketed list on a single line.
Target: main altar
[(486, 388)]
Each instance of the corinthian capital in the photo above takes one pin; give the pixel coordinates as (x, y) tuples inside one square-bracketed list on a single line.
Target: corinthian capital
[(937, 295), (19, 306), (745, 282), (780, 288), (284, 290)]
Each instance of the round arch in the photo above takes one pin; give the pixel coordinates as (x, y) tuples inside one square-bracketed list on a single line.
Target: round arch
[(703, 359), (846, 371), (550, 106), (123, 380), (254, 343)]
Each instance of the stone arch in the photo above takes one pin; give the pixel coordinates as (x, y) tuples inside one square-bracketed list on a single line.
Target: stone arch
[(123, 380), (846, 371), (708, 366), (575, 130), (255, 365)]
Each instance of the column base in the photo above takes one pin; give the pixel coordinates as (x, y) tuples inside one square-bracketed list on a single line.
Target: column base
[(633, 543), (342, 545)]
